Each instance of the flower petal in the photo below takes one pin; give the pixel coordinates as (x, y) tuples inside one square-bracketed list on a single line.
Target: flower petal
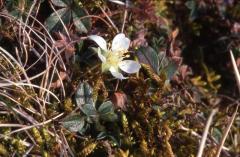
[(116, 74), (120, 43), (101, 57), (129, 66), (99, 40)]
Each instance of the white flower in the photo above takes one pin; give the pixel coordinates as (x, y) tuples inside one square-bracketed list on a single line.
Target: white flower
[(112, 59)]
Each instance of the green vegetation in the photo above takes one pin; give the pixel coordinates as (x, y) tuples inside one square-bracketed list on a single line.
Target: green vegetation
[(161, 85)]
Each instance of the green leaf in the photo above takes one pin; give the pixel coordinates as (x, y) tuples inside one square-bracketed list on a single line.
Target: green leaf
[(70, 12), (109, 117), (106, 111), (192, 5), (82, 25), (84, 94), (148, 55), (53, 22), (99, 126), (74, 123), (89, 110), (106, 107), (217, 134), (62, 3), (163, 59), (171, 69), (101, 135), (17, 8)]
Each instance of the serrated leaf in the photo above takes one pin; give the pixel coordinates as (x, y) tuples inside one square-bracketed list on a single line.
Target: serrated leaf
[(171, 69), (74, 123), (53, 22), (106, 112), (82, 25), (103, 135), (18, 8), (70, 11), (106, 107), (61, 3), (109, 117), (89, 109), (84, 94), (163, 59), (149, 56)]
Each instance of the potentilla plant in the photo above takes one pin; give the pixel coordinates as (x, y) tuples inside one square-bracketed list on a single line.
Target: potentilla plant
[(113, 58)]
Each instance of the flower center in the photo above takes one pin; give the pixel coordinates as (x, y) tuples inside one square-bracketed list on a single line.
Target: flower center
[(113, 58)]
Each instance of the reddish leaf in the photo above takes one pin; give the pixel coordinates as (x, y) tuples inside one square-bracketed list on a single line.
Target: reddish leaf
[(119, 100), (174, 50), (64, 42), (140, 40), (58, 83)]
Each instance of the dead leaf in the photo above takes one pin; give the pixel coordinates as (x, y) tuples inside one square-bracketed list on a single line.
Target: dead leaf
[(119, 99), (235, 28), (64, 42), (183, 72), (140, 40), (174, 52), (175, 33), (58, 83)]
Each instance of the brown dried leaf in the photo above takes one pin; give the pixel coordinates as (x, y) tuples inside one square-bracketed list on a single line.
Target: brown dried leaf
[(175, 33), (183, 72), (140, 40), (145, 12), (119, 99), (238, 62), (174, 50), (64, 42), (58, 83), (235, 28)]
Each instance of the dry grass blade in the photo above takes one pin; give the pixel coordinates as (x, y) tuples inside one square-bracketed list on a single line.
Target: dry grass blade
[(193, 133), (60, 19), (125, 15), (12, 125), (35, 125), (236, 72), (226, 131), (205, 133), (109, 19)]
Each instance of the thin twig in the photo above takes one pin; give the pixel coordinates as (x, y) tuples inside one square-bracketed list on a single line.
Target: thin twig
[(205, 133)]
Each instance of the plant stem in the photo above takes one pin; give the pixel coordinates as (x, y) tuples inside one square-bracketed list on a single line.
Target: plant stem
[(205, 133)]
